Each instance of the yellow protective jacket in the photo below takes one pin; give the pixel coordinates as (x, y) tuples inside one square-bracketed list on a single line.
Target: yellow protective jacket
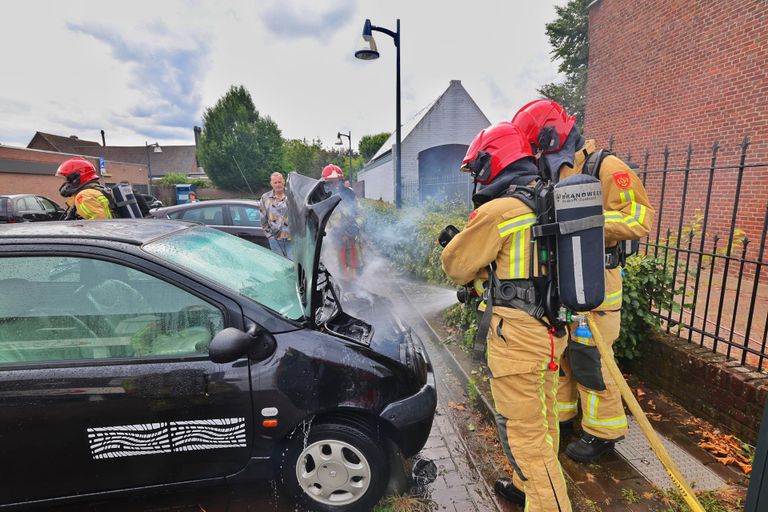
[(628, 212), (499, 231), (90, 204)]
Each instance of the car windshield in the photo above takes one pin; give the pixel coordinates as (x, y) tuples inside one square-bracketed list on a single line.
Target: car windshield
[(234, 263)]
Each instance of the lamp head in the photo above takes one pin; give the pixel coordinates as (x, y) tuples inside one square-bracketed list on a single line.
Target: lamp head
[(338, 139), (367, 49)]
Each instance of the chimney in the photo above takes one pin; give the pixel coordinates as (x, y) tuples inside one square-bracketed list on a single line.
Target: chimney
[(197, 131), (103, 139)]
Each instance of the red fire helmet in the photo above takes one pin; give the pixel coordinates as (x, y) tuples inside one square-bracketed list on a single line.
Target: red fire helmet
[(77, 171), (332, 172), (493, 149), (545, 124)]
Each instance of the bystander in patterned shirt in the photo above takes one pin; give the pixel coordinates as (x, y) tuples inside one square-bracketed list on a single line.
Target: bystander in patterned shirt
[(274, 216)]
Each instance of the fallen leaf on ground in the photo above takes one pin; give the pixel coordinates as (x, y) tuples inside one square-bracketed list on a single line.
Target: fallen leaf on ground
[(458, 407), (725, 447), (471, 427)]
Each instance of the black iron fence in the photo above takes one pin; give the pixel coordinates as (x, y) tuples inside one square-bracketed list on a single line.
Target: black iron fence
[(710, 232)]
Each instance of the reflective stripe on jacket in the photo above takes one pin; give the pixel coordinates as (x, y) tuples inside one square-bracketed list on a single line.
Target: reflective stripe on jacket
[(91, 204), (499, 231)]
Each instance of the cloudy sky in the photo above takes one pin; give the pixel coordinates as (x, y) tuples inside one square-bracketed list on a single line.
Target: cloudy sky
[(146, 70)]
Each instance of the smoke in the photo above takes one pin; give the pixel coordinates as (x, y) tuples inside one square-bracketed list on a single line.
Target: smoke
[(383, 234)]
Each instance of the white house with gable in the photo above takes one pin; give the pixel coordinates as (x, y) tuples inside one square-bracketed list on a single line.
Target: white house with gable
[(434, 143)]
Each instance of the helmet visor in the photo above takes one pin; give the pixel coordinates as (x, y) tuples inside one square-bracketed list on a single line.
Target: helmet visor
[(480, 167)]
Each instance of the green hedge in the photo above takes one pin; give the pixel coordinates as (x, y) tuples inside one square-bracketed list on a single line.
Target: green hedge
[(408, 237)]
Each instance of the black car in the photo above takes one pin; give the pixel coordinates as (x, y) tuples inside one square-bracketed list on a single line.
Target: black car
[(141, 355), (237, 216), (28, 208)]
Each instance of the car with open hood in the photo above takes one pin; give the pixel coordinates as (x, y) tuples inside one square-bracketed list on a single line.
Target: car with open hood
[(141, 355)]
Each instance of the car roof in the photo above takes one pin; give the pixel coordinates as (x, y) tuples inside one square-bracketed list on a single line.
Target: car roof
[(131, 231), (13, 196)]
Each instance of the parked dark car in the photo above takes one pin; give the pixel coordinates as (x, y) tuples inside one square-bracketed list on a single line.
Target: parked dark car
[(142, 356), (152, 201), (28, 208), (239, 217)]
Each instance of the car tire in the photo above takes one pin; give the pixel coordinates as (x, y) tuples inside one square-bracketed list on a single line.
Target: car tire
[(337, 467)]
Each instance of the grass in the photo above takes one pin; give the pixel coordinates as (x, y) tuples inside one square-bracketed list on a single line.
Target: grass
[(630, 496), (472, 391), (709, 500), (404, 504)]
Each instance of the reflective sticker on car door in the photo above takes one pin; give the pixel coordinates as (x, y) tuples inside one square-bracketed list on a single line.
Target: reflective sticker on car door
[(166, 437)]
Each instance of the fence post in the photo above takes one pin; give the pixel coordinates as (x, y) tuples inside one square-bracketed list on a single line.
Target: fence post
[(710, 179), (661, 202), (729, 247), (757, 494), (755, 286), (689, 153)]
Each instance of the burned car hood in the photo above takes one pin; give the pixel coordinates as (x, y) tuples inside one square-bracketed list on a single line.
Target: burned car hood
[(310, 205)]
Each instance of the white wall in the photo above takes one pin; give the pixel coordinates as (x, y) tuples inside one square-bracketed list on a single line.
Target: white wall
[(455, 119), (379, 180)]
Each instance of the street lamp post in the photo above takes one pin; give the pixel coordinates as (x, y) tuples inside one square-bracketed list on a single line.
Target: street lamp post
[(339, 142), (156, 149), (368, 51)]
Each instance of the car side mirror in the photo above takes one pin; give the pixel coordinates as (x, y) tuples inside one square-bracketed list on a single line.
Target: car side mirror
[(231, 344)]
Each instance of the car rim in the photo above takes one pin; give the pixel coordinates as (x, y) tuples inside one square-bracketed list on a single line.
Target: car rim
[(333, 472)]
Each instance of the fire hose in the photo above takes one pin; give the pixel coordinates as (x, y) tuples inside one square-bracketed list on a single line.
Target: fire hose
[(606, 354)]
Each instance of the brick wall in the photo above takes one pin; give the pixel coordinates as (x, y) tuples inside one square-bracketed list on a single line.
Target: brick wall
[(673, 73), (44, 181), (721, 392)]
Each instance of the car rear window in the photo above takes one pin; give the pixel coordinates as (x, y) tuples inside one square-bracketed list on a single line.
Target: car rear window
[(244, 267)]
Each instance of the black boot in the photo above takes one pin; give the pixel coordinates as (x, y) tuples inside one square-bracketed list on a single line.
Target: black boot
[(566, 428), (507, 490), (589, 448)]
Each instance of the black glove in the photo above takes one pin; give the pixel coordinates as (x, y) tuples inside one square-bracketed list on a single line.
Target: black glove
[(447, 234)]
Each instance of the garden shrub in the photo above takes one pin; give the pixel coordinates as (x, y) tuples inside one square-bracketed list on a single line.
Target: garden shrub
[(647, 286)]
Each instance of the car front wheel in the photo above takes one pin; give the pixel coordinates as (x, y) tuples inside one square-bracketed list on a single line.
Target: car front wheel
[(336, 468)]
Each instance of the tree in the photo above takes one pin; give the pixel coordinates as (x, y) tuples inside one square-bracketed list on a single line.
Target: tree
[(309, 158), (239, 148), (569, 36), (370, 144), (303, 157)]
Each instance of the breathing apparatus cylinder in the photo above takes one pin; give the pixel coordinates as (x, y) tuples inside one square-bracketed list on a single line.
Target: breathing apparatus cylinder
[(578, 204)]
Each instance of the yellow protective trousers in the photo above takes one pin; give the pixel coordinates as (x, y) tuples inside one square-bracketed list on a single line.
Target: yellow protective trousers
[(525, 395), (587, 380)]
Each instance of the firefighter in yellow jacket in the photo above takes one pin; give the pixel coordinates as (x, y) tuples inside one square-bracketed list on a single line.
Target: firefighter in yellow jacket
[(85, 198), (522, 353), (628, 216)]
